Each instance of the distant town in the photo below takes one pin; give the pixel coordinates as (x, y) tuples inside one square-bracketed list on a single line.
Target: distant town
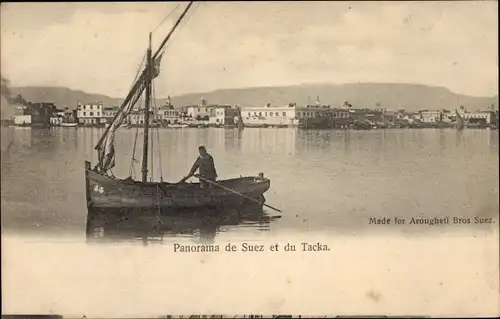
[(318, 115)]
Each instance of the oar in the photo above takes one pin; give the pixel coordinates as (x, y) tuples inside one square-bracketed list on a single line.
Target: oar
[(235, 192)]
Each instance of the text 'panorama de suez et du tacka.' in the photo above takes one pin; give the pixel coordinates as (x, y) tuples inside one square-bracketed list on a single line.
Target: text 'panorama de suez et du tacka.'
[(247, 247)]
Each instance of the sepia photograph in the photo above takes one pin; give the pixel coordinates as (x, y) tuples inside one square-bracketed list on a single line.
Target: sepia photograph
[(245, 159)]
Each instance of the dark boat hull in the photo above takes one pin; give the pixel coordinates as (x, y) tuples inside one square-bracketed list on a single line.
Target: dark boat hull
[(106, 192)]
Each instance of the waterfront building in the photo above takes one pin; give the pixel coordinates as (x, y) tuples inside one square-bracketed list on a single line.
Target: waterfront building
[(91, 114), (269, 115), (367, 115), (21, 116), (109, 112), (57, 118), (22, 120), (431, 116), (198, 112), (202, 111), (35, 113), (168, 115), (70, 116), (292, 114), (411, 117), (136, 117), (480, 117), (223, 115), (391, 116), (448, 116), (165, 114)]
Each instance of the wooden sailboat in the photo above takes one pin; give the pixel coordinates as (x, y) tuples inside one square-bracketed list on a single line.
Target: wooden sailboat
[(103, 190)]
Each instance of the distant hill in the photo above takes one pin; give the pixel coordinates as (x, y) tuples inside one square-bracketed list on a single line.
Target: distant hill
[(61, 96), (391, 96)]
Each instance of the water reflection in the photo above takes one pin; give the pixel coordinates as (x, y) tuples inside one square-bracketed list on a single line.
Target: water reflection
[(441, 139), (276, 141), (153, 226), (493, 141), (459, 138), (323, 180)]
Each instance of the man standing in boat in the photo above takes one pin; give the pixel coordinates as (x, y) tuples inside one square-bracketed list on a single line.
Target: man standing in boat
[(205, 163)]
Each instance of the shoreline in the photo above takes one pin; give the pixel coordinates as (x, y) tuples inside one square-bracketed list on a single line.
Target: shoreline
[(259, 127)]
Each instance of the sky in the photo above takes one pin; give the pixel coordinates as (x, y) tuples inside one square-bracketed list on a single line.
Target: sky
[(97, 47)]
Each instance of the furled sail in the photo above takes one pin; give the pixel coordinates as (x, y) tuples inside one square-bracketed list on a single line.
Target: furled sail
[(105, 147)]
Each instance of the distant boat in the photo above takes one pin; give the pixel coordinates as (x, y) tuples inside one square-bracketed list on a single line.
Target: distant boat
[(69, 124), (122, 125), (363, 125), (177, 125), (255, 125)]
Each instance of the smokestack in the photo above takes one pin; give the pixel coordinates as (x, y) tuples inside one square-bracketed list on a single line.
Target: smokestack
[(5, 89), (6, 108)]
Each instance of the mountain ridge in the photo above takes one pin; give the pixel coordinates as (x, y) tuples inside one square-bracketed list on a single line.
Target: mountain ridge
[(391, 96)]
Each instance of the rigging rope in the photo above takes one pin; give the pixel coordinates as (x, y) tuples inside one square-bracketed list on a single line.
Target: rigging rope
[(138, 71), (165, 19), (183, 23)]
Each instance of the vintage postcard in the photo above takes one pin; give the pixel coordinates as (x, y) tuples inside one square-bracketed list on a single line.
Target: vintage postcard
[(250, 159)]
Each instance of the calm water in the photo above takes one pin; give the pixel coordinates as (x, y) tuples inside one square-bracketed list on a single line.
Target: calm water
[(328, 184), (323, 181)]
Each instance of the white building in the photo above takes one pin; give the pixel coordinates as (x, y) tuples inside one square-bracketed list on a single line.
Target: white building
[(203, 111), (291, 114), (109, 112), (22, 119), (167, 114), (199, 112), (162, 115), (20, 116), (136, 117), (56, 120), (223, 115), (483, 116), (431, 116), (90, 114)]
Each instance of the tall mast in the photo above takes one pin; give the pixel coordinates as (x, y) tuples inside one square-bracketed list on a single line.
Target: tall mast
[(149, 76), (172, 30)]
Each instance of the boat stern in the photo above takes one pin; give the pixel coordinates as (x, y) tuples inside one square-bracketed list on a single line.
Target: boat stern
[(263, 183)]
